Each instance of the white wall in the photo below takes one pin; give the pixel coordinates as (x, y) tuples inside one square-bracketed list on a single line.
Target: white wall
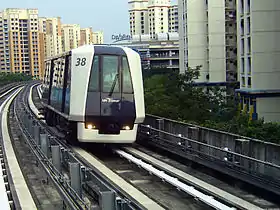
[(217, 48), (197, 36), (269, 109)]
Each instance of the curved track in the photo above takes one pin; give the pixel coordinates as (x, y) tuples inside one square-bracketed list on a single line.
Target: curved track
[(18, 194), (167, 194)]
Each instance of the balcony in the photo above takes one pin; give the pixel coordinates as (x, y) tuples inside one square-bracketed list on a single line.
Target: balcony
[(230, 5), (164, 66), (231, 66), (230, 16), (231, 76), (231, 40), (163, 57), (230, 55), (230, 29)]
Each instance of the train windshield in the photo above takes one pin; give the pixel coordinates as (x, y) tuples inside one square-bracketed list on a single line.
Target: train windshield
[(127, 83), (110, 74), (108, 68), (94, 76)]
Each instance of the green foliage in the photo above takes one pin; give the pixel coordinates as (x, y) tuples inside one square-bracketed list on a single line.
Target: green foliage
[(174, 96), (6, 78)]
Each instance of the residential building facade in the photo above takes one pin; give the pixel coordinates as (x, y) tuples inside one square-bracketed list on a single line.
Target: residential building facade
[(152, 17), (98, 37), (86, 36), (70, 36), (43, 43), (138, 15), (53, 36), (258, 32), (173, 22), (209, 39), (20, 41)]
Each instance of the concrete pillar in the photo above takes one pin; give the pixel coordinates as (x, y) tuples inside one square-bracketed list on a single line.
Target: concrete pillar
[(160, 126), (30, 124), (44, 141), (56, 157), (36, 133), (107, 200), (242, 146), (75, 176), (194, 135)]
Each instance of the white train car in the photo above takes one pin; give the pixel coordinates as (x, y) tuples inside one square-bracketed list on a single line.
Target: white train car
[(95, 94)]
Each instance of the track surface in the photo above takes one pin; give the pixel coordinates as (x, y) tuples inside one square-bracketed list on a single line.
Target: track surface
[(210, 178), (161, 192), (43, 192)]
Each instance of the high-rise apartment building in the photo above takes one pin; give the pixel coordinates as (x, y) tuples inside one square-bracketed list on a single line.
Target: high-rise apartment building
[(209, 35), (259, 57), (53, 36), (158, 11), (43, 43), (183, 49), (152, 17), (70, 36), (98, 37), (20, 41), (86, 36), (173, 25), (138, 15)]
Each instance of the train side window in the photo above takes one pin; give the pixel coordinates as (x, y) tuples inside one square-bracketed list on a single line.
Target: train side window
[(127, 83), (110, 74), (94, 75)]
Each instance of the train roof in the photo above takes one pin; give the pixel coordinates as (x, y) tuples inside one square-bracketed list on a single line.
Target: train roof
[(99, 48)]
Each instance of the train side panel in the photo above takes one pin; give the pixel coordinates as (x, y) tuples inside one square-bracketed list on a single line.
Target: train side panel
[(137, 82), (81, 63), (47, 79), (56, 85)]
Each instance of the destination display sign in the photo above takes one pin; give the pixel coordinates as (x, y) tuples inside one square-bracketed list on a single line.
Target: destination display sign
[(121, 37)]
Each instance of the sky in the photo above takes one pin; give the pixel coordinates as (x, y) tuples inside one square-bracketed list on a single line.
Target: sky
[(110, 16)]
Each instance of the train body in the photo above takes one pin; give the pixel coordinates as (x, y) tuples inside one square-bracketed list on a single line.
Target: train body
[(95, 93)]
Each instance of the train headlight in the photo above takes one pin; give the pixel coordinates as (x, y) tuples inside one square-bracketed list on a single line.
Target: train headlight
[(90, 126), (126, 127)]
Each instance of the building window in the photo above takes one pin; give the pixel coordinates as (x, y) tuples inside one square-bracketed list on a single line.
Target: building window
[(249, 65), (241, 7), (242, 27), (249, 45), (242, 47), (243, 81), (242, 66), (249, 82), (248, 25), (248, 6)]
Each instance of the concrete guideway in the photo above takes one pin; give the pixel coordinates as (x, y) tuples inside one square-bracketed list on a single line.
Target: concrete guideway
[(39, 90), (236, 201), (31, 104), (138, 196), (142, 199), (22, 192), (4, 200)]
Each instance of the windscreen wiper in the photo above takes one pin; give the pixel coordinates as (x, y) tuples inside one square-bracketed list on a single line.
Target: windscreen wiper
[(113, 85)]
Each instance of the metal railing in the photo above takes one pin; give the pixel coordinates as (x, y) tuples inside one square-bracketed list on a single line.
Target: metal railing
[(235, 152)]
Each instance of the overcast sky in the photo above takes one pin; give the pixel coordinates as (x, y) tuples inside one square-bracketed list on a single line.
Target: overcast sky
[(111, 16)]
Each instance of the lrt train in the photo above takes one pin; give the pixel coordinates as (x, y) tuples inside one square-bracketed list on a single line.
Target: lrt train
[(94, 93)]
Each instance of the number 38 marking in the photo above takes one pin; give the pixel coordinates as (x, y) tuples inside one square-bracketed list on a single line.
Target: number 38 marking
[(81, 62)]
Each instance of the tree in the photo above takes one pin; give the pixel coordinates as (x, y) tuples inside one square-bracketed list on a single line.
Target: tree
[(174, 96), (7, 77)]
